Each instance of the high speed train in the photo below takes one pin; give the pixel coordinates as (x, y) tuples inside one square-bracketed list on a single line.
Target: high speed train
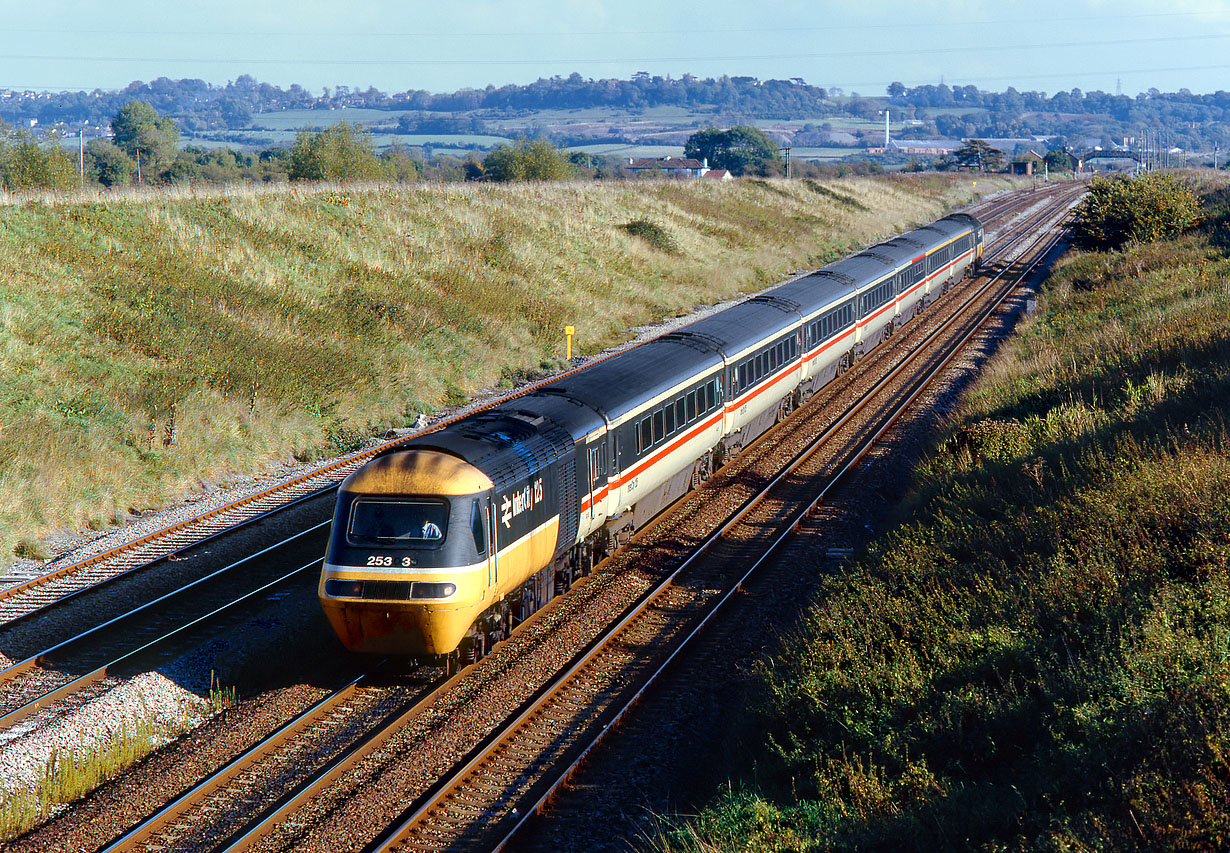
[(449, 540)]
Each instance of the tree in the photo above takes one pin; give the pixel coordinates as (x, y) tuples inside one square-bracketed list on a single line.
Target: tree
[(1150, 207), (976, 152), (338, 153), (30, 166), (399, 165), (146, 136), (110, 165), (741, 149), (527, 160), (896, 90), (236, 113), (1058, 161)]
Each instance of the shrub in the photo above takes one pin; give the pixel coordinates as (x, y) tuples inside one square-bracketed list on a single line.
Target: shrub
[(1142, 209), (653, 234), (527, 160)]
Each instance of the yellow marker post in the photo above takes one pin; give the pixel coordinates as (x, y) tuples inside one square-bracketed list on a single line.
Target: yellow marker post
[(569, 331)]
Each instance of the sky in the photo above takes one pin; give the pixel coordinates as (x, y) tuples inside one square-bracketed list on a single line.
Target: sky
[(855, 45)]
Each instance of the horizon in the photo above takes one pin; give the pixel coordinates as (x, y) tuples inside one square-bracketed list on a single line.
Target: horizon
[(836, 92), (1092, 45)]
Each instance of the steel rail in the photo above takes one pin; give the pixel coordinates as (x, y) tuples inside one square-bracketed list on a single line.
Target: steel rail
[(77, 684)]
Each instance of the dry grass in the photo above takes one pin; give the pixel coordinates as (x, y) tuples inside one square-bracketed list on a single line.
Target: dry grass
[(152, 341)]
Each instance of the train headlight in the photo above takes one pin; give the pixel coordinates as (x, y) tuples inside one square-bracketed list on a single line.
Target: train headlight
[(423, 589), (339, 588)]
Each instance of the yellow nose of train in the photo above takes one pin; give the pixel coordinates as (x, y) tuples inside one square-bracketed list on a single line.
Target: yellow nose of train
[(406, 570)]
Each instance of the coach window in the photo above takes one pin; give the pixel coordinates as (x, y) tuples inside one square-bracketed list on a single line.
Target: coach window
[(691, 404), (669, 413), (681, 415), (657, 426), (742, 378), (646, 433)]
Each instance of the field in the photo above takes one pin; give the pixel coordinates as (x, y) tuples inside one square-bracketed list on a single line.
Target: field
[(319, 119), (1036, 654), (157, 344)]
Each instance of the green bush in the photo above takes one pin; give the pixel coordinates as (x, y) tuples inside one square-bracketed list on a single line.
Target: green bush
[(527, 160), (653, 234), (1142, 209), (339, 153)]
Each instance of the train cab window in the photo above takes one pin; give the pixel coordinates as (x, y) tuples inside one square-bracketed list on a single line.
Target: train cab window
[(658, 423), (669, 415), (476, 528), (646, 433), (398, 523), (691, 406)]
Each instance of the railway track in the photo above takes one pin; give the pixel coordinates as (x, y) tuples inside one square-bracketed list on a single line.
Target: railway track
[(54, 680), (551, 742), (63, 583)]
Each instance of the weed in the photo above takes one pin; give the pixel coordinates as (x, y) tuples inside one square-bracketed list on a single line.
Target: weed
[(221, 698), (71, 773), (30, 549)]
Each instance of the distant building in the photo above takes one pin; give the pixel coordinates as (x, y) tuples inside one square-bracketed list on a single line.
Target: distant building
[(718, 175), (1027, 163), (669, 167), (931, 147)]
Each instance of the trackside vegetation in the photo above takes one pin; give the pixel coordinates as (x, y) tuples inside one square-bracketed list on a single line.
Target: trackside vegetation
[(1036, 656), (1119, 209), (155, 344)]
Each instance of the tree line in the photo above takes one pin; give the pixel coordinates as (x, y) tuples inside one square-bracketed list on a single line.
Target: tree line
[(1195, 120), (144, 149)]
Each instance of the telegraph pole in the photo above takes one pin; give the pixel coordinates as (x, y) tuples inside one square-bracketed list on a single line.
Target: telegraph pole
[(81, 153)]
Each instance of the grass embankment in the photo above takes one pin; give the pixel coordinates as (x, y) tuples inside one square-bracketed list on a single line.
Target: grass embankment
[(1037, 656), (151, 344)]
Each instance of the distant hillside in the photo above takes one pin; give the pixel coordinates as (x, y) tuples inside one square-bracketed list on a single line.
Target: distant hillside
[(1194, 121)]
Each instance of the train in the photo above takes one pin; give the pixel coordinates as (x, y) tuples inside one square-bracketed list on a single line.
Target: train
[(443, 544)]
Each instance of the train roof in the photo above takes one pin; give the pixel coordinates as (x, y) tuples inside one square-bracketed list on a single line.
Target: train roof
[(740, 326), (942, 230), (506, 443), (623, 382), (816, 291), (863, 268)]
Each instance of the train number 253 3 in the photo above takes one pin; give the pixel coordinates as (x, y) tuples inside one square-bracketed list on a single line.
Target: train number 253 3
[(380, 560)]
